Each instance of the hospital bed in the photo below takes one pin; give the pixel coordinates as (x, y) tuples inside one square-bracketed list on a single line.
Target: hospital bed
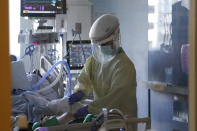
[(55, 78), (54, 81), (53, 97)]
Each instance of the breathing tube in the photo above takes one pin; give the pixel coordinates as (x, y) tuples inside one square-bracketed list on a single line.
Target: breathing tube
[(49, 71)]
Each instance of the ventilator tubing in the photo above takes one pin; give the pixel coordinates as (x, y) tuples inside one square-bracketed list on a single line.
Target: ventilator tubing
[(56, 80)]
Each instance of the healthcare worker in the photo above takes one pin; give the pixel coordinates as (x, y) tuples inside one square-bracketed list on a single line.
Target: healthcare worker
[(108, 72)]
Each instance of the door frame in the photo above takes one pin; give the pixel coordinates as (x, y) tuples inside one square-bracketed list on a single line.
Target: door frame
[(192, 66), (5, 88)]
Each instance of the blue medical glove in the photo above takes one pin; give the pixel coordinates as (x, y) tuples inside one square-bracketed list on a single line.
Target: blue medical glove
[(82, 112), (75, 97)]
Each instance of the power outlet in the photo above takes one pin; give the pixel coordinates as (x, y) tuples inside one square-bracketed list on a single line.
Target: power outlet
[(78, 28)]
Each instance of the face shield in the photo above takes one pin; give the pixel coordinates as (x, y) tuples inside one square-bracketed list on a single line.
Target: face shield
[(104, 53)]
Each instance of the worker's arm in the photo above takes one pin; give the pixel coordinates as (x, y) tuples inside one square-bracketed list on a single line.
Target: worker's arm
[(84, 80), (82, 89)]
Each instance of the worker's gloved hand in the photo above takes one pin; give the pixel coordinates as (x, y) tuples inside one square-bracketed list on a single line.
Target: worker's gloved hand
[(82, 112), (75, 97)]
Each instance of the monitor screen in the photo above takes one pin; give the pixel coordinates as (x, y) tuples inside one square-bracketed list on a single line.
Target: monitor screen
[(78, 53), (42, 8)]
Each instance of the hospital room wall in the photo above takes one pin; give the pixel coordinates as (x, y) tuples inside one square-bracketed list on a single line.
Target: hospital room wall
[(78, 11), (133, 24)]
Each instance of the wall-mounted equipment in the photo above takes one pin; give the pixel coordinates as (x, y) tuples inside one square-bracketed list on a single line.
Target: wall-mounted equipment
[(77, 53), (44, 38), (42, 8)]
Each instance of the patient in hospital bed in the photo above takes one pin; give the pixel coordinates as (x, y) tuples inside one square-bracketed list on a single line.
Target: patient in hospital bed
[(33, 104)]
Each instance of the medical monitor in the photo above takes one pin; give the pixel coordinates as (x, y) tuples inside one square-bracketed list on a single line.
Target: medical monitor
[(42, 8), (78, 52)]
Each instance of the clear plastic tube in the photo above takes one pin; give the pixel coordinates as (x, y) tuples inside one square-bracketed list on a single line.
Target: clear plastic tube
[(50, 70)]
